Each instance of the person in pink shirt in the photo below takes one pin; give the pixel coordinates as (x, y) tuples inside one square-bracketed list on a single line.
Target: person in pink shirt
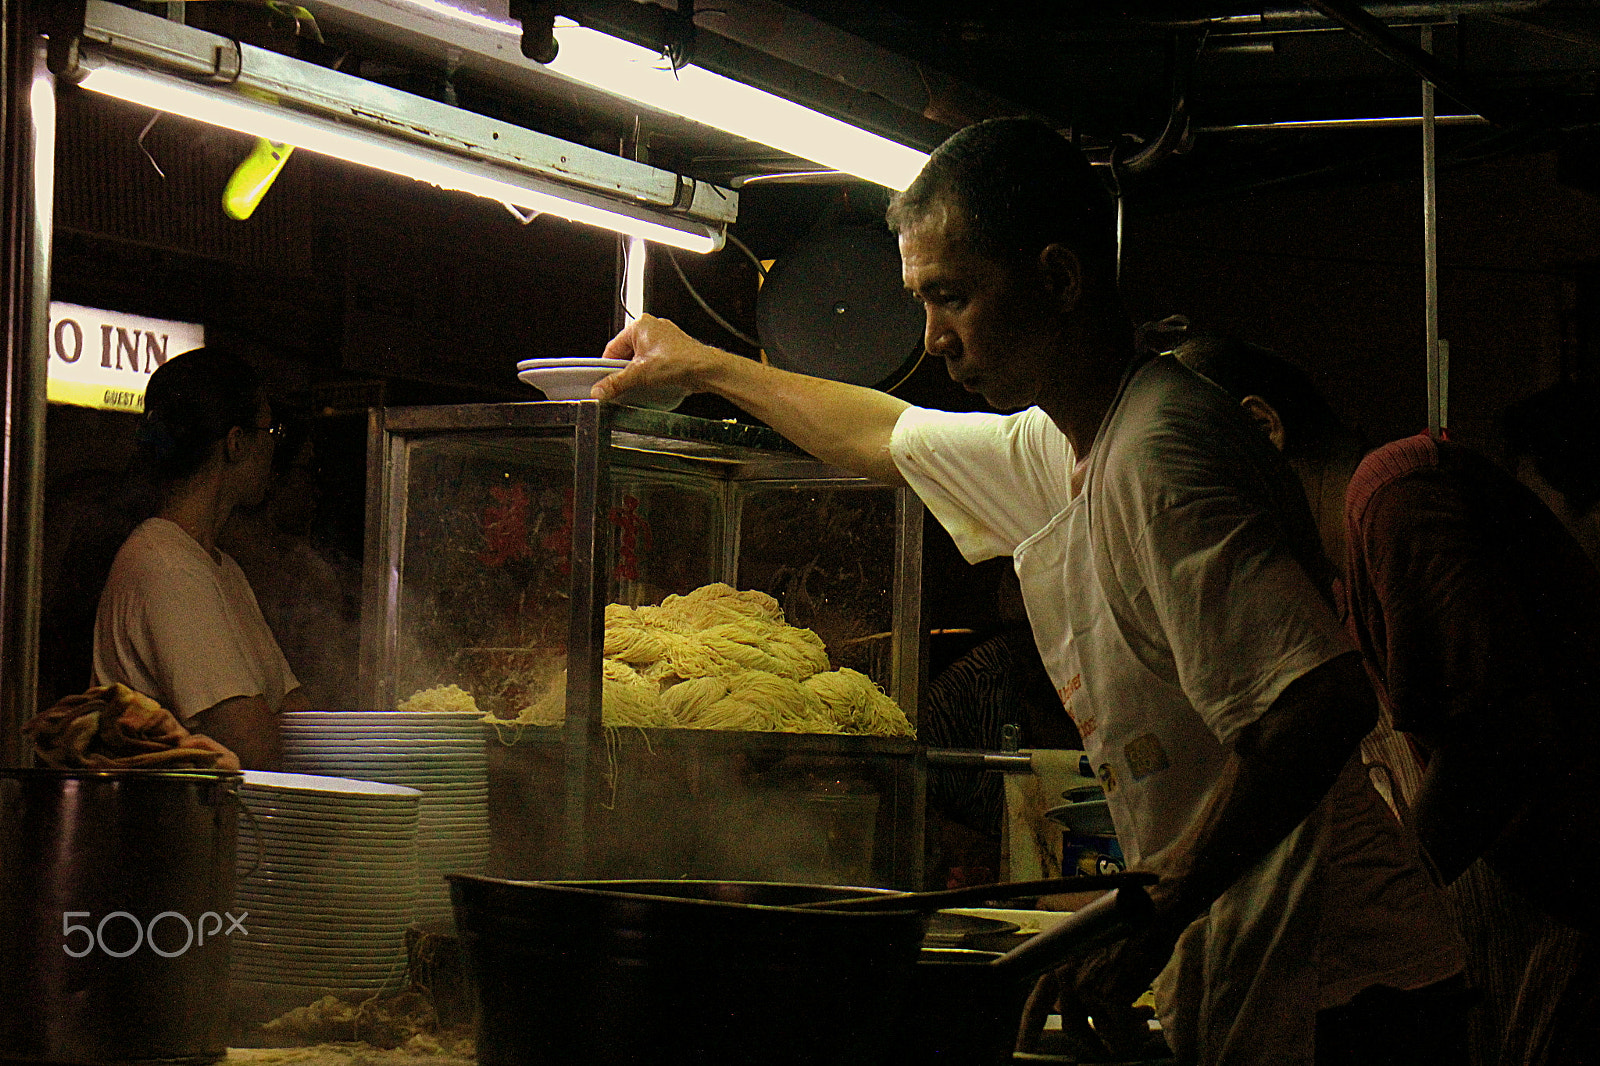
[(1477, 614)]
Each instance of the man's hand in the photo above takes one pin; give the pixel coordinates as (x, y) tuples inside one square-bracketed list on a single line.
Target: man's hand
[(663, 356), (839, 423), (1096, 990), (247, 726), (1278, 772)]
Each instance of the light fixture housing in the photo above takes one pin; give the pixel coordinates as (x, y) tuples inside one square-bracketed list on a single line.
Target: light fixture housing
[(627, 70), (218, 80)]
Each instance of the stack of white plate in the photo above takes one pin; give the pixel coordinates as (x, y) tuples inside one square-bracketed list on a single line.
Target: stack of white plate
[(440, 754), (327, 883), (571, 379)]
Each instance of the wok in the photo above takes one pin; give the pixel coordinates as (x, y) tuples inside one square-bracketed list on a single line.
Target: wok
[(681, 973), (700, 972)]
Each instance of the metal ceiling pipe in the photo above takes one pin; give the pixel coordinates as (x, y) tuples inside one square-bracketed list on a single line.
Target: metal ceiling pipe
[(1361, 124), (1180, 59), (1301, 16), (27, 170), (1407, 55)]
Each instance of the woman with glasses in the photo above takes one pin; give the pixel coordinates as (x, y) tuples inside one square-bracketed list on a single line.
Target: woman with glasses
[(177, 620)]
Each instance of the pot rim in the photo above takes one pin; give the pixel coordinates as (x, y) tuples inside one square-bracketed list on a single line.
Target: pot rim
[(617, 890)]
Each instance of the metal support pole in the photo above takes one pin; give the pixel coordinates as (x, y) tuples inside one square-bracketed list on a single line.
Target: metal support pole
[(27, 179), (1430, 248), (583, 736), (1418, 60)]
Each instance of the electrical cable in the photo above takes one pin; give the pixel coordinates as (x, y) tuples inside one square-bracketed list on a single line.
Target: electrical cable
[(922, 353), (672, 257), (761, 268)]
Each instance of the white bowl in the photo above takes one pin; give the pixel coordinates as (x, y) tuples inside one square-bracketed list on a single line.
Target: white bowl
[(540, 364), (574, 383)]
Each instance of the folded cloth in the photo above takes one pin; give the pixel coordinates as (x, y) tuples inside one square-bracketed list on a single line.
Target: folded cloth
[(112, 727)]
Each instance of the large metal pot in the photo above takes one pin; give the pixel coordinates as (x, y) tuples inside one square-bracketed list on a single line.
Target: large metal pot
[(607, 973), (115, 889)]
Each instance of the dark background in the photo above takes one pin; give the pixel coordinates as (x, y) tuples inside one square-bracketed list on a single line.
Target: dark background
[(352, 288)]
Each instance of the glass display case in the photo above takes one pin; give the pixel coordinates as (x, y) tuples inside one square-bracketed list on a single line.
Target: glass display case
[(698, 650)]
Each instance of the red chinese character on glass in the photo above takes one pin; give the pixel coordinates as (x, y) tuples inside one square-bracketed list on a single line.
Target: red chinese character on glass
[(505, 525)]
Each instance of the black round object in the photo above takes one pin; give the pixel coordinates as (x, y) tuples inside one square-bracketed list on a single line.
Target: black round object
[(681, 973), (112, 882), (833, 306)]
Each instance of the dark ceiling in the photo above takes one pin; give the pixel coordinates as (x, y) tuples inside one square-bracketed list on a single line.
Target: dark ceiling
[(1115, 74), (1189, 97)]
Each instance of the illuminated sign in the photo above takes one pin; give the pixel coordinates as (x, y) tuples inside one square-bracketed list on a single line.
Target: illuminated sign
[(103, 358)]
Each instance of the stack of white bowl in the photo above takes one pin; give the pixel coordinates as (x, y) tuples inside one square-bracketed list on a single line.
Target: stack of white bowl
[(571, 378), (440, 754), (326, 885)]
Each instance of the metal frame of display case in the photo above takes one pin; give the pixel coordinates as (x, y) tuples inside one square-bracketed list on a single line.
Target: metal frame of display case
[(738, 453)]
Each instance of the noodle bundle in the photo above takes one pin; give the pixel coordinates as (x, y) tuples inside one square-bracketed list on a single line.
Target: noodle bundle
[(721, 658)]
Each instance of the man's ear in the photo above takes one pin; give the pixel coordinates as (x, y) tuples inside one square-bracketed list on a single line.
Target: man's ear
[(1062, 271), (1263, 414), (233, 444)]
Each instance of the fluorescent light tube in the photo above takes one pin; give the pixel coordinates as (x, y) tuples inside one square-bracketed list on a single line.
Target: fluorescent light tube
[(623, 69), (236, 111)]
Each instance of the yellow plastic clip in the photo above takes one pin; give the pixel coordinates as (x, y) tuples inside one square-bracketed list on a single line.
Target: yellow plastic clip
[(252, 178)]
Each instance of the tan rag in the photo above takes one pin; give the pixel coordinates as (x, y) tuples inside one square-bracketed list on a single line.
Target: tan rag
[(112, 727)]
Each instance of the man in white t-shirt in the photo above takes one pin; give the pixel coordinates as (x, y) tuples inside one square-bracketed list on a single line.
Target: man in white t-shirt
[(177, 620), (1167, 583)]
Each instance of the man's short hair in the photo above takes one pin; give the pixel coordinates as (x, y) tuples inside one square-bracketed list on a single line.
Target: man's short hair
[(1312, 432), (190, 403), (1017, 185)]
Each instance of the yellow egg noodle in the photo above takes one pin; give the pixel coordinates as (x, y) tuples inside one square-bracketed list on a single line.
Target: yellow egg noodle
[(442, 698), (720, 658)]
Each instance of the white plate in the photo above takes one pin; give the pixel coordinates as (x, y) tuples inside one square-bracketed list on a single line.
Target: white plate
[(376, 860), (372, 849), (432, 774), (275, 883), (400, 807), (269, 817), (386, 745), (315, 784), (310, 964), (474, 829), (388, 814), (422, 760), (284, 908), (538, 364), (315, 951), (344, 877), (465, 727), (442, 721), (321, 924), (574, 383), (427, 772), (389, 821), (374, 717)]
